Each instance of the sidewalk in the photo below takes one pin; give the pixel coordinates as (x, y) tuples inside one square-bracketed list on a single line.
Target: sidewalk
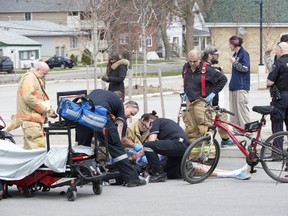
[(170, 108)]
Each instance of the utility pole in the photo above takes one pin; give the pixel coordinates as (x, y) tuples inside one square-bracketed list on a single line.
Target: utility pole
[(261, 67), (261, 62)]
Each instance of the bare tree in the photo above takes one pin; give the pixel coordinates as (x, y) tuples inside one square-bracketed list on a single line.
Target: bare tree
[(95, 17), (184, 9), (144, 17), (163, 16)]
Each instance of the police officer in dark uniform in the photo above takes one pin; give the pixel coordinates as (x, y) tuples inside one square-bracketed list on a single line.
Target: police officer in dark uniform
[(115, 130), (278, 82), (166, 138)]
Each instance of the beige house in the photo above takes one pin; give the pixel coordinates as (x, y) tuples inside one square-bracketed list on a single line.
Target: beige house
[(55, 39), (226, 18), (69, 13)]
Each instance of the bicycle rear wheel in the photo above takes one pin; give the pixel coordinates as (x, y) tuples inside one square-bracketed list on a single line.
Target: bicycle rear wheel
[(274, 156), (200, 159)]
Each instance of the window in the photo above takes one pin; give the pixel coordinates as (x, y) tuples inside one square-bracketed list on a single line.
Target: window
[(63, 51), (72, 13), (149, 41), (101, 34), (124, 39), (25, 55), (28, 16), (73, 42), (57, 51), (196, 42)]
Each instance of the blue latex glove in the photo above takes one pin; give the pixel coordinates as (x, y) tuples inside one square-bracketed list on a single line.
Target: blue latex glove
[(142, 160), (184, 97), (137, 147), (210, 96)]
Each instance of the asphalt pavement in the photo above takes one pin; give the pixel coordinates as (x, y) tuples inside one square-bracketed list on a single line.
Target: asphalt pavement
[(220, 197)]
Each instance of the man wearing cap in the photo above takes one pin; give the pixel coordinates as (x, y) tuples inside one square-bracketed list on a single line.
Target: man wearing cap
[(211, 55), (239, 85)]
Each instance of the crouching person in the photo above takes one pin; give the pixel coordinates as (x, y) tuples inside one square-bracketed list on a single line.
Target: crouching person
[(115, 127), (168, 139)]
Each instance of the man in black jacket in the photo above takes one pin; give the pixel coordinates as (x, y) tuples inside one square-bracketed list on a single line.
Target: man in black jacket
[(278, 82), (201, 80)]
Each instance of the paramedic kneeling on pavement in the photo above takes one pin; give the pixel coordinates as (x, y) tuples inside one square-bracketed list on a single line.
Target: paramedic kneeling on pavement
[(115, 130), (167, 138)]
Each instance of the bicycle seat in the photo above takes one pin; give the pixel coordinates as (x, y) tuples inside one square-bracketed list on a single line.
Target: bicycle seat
[(264, 110)]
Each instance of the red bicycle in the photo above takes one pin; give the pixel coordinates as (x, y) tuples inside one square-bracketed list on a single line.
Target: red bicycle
[(202, 156)]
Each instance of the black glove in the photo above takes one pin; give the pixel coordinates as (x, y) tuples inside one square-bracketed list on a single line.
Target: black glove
[(105, 78)]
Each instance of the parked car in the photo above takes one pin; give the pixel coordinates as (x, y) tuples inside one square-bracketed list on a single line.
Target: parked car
[(6, 65), (59, 61)]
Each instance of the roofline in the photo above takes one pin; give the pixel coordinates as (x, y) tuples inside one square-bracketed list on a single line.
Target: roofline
[(36, 11), (21, 45), (232, 25)]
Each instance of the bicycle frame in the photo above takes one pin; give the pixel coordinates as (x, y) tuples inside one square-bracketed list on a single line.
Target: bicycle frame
[(218, 123)]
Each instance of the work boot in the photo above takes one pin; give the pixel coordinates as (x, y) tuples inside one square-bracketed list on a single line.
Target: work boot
[(136, 182), (158, 175)]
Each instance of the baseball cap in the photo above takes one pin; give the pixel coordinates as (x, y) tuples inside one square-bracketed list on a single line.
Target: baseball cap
[(210, 50), (215, 51)]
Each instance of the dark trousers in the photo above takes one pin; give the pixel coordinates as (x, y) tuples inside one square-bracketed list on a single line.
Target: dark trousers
[(280, 114), (173, 149), (84, 137)]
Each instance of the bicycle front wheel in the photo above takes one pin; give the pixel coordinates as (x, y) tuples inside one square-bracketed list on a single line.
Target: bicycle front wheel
[(274, 156), (200, 159)]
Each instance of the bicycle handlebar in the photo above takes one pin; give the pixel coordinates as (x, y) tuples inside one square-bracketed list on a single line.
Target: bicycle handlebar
[(216, 108)]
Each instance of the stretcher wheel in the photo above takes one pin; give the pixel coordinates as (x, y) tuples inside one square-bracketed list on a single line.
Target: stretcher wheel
[(27, 192), (71, 194), (97, 188)]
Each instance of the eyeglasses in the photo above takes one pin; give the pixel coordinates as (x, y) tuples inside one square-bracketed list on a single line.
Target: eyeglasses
[(144, 125)]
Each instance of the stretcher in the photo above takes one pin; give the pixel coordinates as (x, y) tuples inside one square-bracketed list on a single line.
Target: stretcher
[(41, 170)]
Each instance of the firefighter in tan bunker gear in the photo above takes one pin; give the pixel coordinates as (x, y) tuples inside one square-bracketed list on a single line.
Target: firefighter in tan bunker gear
[(201, 80), (33, 105)]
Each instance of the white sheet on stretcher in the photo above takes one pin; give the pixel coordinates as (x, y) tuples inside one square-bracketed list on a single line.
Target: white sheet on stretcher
[(17, 163)]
